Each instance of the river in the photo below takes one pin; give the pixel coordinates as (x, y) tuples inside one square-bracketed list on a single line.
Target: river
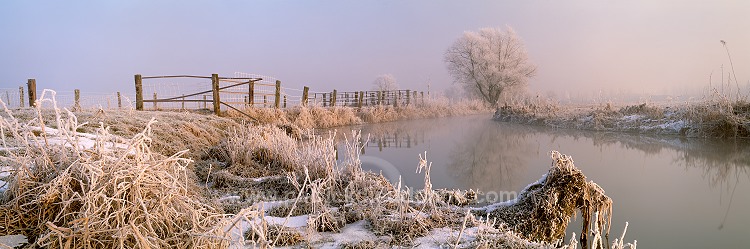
[(674, 192)]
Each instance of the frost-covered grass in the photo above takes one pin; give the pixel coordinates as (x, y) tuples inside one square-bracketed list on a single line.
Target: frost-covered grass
[(326, 117), (66, 195), (711, 118), (186, 180)]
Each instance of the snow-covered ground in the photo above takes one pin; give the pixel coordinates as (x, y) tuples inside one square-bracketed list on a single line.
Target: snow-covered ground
[(653, 121), (4, 172), (83, 141)]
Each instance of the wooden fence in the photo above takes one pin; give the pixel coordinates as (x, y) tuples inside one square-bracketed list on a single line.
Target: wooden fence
[(273, 95), (214, 93), (368, 98), (74, 100)]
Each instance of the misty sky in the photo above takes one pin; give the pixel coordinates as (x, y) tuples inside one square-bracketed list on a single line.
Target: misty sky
[(579, 46)]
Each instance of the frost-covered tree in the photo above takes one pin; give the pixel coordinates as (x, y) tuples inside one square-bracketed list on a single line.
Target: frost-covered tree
[(385, 82), (489, 62)]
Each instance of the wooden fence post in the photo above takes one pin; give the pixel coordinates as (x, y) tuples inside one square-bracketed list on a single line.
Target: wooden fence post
[(380, 97), (119, 100), (325, 104), (251, 93), (20, 95), (265, 102), (216, 100), (76, 99), (284, 101), (156, 107), (408, 97), (305, 91), (397, 96), (333, 98), (361, 97), (31, 86), (422, 97), (138, 92), (278, 95)]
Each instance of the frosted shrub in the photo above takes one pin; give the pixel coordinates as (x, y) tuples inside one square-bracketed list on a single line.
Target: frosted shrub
[(67, 195)]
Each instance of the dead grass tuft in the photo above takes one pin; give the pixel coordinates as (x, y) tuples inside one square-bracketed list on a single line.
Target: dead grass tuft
[(650, 111), (286, 236), (65, 196)]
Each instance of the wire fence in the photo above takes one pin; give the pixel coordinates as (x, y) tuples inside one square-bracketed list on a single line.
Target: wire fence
[(246, 90), (12, 97), (186, 92), (91, 100), (73, 100), (366, 98), (167, 88), (289, 96)]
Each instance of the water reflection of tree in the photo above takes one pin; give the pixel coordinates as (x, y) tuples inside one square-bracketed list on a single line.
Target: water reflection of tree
[(724, 164), (489, 156), (402, 134), (720, 160)]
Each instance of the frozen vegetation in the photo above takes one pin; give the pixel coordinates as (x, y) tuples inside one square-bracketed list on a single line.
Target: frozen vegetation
[(717, 117), (326, 117), (123, 179)]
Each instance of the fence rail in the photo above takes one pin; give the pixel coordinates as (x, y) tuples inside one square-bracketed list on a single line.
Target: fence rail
[(74, 100), (367, 98), (210, 92), (260, 91)]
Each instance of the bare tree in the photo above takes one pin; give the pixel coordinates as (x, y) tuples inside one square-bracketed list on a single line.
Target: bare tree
[(385, 82), (489, 62)]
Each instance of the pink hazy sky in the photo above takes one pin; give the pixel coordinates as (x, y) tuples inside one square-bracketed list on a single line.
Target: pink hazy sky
[(580, 47)]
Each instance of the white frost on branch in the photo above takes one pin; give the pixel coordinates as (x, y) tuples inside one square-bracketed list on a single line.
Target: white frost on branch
[(385, 82), (489, 62)]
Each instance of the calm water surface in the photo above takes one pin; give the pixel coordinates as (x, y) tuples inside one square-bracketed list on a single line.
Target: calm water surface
[(675, 193)]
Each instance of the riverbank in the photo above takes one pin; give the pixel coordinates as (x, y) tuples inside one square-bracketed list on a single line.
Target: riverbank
[(191, 180), (327, 117), (711, 118)]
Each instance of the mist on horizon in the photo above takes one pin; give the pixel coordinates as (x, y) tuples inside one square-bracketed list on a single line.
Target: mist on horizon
[(584, 50)]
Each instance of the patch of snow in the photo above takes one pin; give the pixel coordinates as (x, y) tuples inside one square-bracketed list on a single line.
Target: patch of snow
[(12, 241), (444, 237), (10, 148), (675, 126), (237, 230), (4, 172), (83, 140), (632, 118), (293, 221), (540, 181), (229, 198), (353, 232)]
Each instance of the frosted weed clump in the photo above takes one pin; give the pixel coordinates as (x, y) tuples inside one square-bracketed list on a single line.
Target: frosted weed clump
[(62, 196), (543, 209)]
